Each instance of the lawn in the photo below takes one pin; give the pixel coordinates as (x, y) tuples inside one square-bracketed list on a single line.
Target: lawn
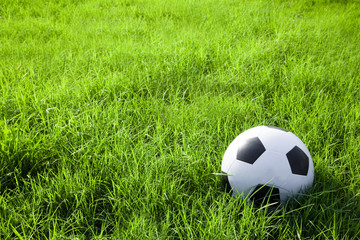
[(115, 115)]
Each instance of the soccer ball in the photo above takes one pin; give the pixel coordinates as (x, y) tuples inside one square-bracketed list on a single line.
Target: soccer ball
[(269, 164)]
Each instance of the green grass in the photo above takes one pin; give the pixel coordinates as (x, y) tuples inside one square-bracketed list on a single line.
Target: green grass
[(115, 114)]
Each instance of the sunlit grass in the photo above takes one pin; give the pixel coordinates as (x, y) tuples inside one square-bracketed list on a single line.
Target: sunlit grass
[(114, 115)]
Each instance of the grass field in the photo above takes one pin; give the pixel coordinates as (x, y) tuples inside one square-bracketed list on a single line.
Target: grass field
[(114, 115)]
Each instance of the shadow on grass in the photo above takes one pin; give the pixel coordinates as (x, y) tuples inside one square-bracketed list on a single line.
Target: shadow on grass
[(22, 160), (329, 210)]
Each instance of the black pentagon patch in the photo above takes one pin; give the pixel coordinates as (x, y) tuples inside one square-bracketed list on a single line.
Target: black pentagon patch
[(278, 128), (265, 194), (298, 160), (250, 150), (225, 182)]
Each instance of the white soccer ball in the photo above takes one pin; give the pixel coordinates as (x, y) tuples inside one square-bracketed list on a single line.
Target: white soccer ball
[(268, 162)]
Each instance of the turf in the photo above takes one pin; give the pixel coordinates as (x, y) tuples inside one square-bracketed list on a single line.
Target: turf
[(114, 115)]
